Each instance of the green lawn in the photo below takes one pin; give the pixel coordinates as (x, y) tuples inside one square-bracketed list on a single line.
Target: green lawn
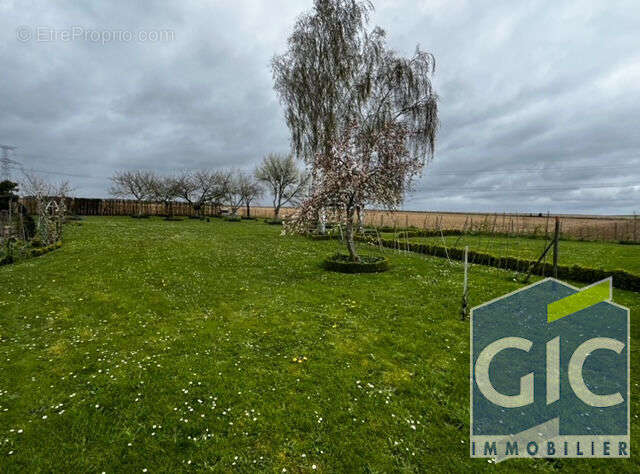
[(170, 346), (604, 255)]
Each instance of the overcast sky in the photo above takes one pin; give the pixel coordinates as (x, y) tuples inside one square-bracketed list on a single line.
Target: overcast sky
[(539, 100)]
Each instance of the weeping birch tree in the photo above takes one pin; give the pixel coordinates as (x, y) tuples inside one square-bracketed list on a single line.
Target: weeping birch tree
[(343, 89)]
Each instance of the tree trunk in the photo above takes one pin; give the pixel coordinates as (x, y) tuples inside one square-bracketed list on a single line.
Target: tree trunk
[(321, 226), (276, 213), (248, 211), (351, 245), (322, 222), (360, 213)]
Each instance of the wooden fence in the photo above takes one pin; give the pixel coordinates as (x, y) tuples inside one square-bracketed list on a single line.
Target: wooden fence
[(605, 228)]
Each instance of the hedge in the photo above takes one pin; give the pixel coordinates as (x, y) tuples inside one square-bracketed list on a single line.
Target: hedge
[(368, 264), (621, 278), (428, 233), (36, 252), (32, 252), (321, 236)]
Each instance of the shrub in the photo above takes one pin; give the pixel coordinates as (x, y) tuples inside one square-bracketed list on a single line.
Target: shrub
[(31, 251), (273, 221), (367, 264), (321, 236), (36, 242), (36, 252), (233, 218), (407, 234)]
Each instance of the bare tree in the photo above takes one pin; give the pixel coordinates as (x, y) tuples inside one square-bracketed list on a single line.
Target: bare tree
[(335, 73), (234, 197), (186, 188), (201, 187), (136, 184), (219, 192), (250, 190), (207, 184), (164, 189), (283, 178)]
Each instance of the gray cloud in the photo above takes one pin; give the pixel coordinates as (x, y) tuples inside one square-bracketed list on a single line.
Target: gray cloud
[(539, 100)]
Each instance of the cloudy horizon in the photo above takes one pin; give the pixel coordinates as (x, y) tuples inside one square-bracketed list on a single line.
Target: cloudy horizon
[(539, 101)]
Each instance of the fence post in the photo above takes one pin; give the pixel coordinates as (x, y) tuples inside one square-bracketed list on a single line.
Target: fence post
[(546, 226), (465, 287), (556, 238)]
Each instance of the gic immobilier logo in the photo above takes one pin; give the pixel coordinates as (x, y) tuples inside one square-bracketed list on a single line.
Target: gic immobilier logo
[(550, 373)]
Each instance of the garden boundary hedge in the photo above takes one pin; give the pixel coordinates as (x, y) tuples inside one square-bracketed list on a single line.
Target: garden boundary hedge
[(36, 252), (32, 252), (621, 278)]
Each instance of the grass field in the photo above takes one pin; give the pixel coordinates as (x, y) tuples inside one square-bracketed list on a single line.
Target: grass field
[(179, 346), (604, 255)]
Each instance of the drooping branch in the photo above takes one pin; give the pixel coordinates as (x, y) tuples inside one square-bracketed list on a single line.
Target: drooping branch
[(335, 71)]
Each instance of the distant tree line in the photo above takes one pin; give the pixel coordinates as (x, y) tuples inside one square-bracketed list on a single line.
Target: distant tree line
[(231, 189)]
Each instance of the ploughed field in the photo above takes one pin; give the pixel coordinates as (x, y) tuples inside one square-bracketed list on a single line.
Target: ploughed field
[(179, 346)]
